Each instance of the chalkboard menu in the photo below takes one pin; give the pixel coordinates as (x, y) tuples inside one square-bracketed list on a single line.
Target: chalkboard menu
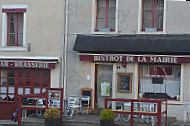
[(124, 82)]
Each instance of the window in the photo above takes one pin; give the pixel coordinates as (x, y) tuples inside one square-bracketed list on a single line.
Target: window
[(160, 81), (7, 85), (105, 18), (152, 15), (14, 27), (18, 82)]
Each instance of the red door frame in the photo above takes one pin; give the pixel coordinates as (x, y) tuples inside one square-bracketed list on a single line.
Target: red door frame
[(95, 86)]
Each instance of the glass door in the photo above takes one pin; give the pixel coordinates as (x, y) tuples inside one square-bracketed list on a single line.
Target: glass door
[(103, 85)]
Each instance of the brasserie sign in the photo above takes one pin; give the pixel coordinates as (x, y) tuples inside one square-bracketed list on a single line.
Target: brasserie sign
[(27, 64), (133, 59)]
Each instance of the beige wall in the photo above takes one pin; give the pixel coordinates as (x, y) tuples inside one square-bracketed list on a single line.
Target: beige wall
[(44, 31), (44, 27)]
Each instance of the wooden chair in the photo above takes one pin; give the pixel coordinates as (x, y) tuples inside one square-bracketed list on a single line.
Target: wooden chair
[(87, 92)]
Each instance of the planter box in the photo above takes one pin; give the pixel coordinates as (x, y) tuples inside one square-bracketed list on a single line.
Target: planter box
[(105, 30), (52, 122), (150, 29), (109, 122)]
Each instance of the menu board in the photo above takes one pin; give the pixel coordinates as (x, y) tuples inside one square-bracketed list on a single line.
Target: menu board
[(124, 82)]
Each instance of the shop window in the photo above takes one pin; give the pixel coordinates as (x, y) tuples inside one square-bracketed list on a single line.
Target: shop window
[(7, 87), (27, 82), (152, 15), (105, 18), (14, 27), (160, 81)]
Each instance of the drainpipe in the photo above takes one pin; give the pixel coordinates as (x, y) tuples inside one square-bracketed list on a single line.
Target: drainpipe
[(65, 41)]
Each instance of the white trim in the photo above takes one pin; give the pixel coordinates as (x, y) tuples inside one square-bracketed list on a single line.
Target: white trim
[(14, 6), (117, 16), (156, 33), (93, 81), (94, 8), (102, 33), (4, 46), (140, 16), (24, 30), (10, 49), (164, 17), (4, 29), (93, 16), (140, 21), (182, 82), (30, 57), (135, 82), (114, 84)]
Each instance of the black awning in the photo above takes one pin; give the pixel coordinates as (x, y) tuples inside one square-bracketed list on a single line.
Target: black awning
[(134, 44)]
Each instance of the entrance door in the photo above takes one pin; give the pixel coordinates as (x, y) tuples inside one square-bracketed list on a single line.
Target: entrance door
[(103, 83), (15, 82)]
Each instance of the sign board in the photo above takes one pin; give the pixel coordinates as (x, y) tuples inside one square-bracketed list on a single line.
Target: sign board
[(105, 89), (27, 64), (133, 59)]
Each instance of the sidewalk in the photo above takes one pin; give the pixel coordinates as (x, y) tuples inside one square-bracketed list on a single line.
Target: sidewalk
[(8, 123), (84, 120)]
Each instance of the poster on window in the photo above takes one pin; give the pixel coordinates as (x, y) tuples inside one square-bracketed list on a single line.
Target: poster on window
[(105, 89)]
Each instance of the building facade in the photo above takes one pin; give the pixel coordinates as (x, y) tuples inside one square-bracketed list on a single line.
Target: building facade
[(135, 48), (30, 49)]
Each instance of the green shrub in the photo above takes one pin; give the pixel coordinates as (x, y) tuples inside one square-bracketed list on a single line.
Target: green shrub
[(52, 113), (107, 114)]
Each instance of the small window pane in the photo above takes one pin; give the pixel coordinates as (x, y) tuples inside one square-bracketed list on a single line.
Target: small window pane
[(10, 97), (111, 24), (4, 74), (2, 97), (112, 12), (147, 2), (112, 3), (101, 12), (27, 90), (36, 90), (100, 23), (11, 73), (27, 82), (11, 90), (45, 74), (11, 81), (11, 16), (20, 74), (43, 90), (3, 81), (45, 83), (20, 91), (3, 90), (27, 74), (101, 3)]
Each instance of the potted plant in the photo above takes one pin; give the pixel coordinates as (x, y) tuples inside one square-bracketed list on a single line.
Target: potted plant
[(52, 117), (107, 117)]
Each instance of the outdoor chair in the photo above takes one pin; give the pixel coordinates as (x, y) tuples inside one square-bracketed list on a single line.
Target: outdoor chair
[(187, 113), (71, 106)]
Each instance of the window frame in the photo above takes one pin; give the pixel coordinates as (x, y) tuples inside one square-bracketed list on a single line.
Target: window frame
[(178, 77), (140, 20), (23, 85), (4, 43), (94, 19)]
